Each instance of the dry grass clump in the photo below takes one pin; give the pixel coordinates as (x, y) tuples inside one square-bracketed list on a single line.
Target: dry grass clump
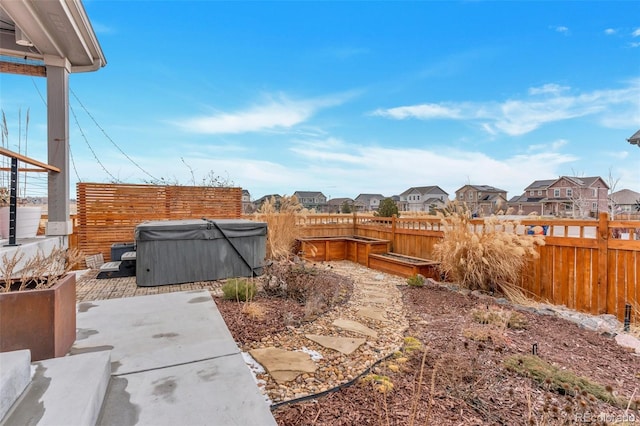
[(281, 217), (41, 271), (500, 318), (489, 258), (564, 382)]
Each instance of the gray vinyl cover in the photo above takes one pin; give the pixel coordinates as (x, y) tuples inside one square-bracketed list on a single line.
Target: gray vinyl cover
[(181, 251)]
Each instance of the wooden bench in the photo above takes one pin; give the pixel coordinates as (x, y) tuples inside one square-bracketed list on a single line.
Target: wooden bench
[(403, 265)]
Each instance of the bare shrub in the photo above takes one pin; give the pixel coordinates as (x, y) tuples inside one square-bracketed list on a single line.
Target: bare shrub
[(318, 290), (281, 217), (490, 258), (41, 271)]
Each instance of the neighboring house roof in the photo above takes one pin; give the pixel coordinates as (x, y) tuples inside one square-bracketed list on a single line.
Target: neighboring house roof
[(482, 188), (540, 184), (363, 197), (307, 194), (584, 182), (339, 201), (433, 189), (245, 192), (433, 200), (625, 196), (267, 197), (635, 139)]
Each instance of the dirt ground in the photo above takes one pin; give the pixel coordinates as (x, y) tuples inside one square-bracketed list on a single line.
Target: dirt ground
[(460, 369)]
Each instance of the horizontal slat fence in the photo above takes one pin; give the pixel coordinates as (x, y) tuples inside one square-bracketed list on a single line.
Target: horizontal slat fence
[(588, 265), (109, 213)]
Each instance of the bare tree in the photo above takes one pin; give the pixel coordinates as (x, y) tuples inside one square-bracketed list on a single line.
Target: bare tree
[(611, 202)]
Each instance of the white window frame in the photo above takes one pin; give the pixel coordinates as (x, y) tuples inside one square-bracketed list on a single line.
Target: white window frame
[(556, 192), (569, 192)]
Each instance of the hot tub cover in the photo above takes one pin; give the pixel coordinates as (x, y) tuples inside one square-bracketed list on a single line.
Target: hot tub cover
[(198, 229)]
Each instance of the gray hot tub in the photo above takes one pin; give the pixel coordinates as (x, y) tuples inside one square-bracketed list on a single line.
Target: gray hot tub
[(180, 251)]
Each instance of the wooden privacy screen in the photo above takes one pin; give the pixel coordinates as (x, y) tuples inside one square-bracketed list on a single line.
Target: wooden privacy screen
[(109, 213)]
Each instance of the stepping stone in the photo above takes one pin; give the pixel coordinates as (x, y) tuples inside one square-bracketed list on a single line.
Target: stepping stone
[(373, 313), (282, 365), (346, 345), (374, 293), (356, 327), (375, 300)]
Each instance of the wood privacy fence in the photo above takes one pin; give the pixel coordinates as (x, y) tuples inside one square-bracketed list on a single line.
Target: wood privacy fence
[(109, 213), (588, 265)]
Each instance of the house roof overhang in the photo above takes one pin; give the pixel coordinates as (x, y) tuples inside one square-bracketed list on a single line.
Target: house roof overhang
[(54, 32), (635, 139)]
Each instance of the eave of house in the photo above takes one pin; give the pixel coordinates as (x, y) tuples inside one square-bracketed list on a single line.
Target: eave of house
[(59, 30)]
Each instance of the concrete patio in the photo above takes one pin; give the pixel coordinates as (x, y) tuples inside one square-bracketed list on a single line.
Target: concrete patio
[(170, 359)]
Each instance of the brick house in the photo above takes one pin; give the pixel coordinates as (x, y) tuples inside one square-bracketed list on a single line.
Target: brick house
[(482, 199), (567, 196), (422, 199)]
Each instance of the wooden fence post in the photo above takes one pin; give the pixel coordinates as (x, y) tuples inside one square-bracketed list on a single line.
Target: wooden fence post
[(393, 230), (355, 220), (602, 234)]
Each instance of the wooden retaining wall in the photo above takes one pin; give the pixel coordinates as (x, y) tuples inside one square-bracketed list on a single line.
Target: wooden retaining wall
[(588, 265), (109, 213)]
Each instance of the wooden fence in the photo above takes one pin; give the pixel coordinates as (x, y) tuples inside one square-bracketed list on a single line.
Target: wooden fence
[(109, 213), (587, 265)]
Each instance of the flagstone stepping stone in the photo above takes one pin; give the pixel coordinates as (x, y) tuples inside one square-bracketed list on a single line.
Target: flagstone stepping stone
[(283, 365), (355, 326), (365, 299), (346, 345), (375, 293), (372, 313)]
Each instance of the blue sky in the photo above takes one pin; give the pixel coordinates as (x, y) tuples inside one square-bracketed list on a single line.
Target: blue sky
[(352, 97)]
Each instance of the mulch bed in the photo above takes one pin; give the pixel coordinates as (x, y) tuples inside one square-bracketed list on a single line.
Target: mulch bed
[(459, 376)]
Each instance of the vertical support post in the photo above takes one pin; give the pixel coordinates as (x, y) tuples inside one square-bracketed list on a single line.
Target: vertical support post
[(59, 222), (602, 234), (13, 202), (393, 231)]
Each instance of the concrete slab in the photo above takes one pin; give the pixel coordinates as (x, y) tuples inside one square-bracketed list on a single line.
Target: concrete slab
[(64, 391), (218, 391), (15, 367), (148, 332)]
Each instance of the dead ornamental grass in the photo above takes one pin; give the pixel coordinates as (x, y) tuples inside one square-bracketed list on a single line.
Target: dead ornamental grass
[(490, 258), (281, 218)]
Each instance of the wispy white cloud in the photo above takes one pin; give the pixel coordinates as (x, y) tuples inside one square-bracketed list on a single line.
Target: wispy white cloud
[(423, 112), (636, 33), (548, 147), (550, 88), (274, 113), (520, 116), (561, 29), (610, 31)]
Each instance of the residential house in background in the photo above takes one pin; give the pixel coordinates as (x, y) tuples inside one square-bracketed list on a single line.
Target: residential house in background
[(368, 202), (533, 199), (625, 202), (260, 201), (312, 200), (482, 199), (422, 199), (335, 205), (573, 196), (247, 205)]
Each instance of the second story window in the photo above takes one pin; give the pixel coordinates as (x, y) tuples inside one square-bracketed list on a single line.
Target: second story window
[(470, 195), (569, 192), (556, 192)]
